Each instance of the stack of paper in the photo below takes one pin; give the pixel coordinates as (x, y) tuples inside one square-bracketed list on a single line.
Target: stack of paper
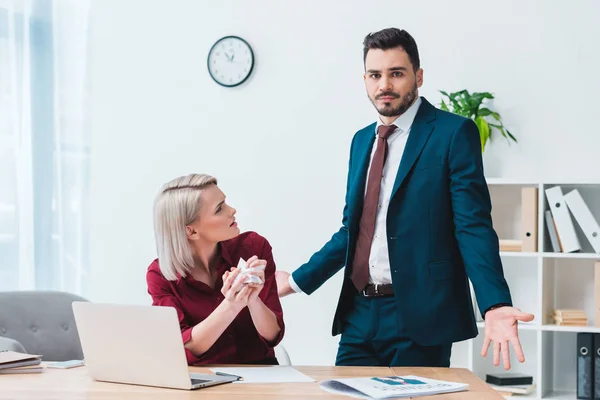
[(12, 362), (514, 389), (390, 387), (570, 317), (511, 245), (272, 374)]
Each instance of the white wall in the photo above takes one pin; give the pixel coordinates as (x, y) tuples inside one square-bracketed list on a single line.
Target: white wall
[(279, 144)]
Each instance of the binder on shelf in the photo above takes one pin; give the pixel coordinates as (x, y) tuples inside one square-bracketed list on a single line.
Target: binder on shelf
[(585, 372), (552, 231), (596, 358), (562, 218), (529, 218), (584, 218)]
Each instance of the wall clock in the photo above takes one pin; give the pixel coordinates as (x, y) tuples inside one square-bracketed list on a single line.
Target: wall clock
[(230, 61)]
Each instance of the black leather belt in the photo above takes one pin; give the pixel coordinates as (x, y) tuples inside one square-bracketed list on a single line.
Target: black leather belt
[(374, 290)]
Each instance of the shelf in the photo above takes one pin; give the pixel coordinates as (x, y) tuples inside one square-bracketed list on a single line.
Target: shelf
[(522, 326), (516, 182), (541, 281), (559, 328), (523, 182), (583, 256), (518, 254), (561, 395)]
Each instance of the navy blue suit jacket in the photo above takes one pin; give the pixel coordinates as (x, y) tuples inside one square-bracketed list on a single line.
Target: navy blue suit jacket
[(439, 231)]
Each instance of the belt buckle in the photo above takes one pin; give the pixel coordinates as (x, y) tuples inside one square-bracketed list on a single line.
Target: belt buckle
[(375, 294)]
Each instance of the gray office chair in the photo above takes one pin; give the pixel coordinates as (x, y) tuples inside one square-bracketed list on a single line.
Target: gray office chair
[(11, 345), (282, 355), (41, 322)]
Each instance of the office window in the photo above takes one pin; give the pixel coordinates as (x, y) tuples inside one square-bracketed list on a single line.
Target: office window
[(44, 144)]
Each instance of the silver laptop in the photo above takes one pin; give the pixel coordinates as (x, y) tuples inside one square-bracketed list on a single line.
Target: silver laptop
[(138, 345)]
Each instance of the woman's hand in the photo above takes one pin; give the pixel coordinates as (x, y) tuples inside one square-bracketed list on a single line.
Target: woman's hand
[(259, 271), (236, 293)]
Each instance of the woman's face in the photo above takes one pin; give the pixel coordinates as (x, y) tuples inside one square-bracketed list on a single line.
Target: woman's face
[(216, 220)]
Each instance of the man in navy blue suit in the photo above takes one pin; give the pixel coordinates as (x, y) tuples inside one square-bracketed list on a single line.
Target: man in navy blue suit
[(416, 226)]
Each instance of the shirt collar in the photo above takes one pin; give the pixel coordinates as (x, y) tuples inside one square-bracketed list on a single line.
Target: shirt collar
[(404, 121), (225, 254)]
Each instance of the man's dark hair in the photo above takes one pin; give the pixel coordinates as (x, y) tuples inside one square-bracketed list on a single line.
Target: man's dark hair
[(390, 38)]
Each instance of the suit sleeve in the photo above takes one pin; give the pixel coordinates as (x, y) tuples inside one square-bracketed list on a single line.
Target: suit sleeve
[(472, 208), (330, 259)]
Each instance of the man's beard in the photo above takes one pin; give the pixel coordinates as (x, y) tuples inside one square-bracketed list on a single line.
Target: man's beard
[(406, 101)]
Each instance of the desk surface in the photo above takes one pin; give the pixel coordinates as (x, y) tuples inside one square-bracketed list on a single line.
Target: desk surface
[(76, 384)]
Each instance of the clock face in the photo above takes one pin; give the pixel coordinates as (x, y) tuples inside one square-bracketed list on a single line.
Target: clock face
[(230, 61)]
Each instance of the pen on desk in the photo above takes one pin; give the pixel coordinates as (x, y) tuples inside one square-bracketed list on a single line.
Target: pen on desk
[(239, 378)]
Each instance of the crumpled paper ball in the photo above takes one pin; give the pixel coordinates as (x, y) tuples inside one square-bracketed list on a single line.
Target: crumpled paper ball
[(244, 269)]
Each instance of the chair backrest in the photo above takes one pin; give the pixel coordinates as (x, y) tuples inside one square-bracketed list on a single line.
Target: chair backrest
[(8, 344), (43, 322), (282, 355)]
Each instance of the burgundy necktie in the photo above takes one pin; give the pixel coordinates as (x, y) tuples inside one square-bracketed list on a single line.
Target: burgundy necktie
[(360, 265)]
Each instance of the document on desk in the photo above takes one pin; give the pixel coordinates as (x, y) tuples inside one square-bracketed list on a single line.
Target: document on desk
[(274, 374), (390, 387)]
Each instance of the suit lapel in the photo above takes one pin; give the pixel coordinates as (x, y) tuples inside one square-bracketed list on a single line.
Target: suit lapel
[(419, 134), (363, 158)]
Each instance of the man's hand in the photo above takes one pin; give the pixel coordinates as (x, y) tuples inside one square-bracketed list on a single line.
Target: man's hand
[(283, 283), (501, 327)]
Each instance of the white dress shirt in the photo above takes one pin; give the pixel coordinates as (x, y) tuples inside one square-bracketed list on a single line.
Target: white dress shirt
[(379, 260)]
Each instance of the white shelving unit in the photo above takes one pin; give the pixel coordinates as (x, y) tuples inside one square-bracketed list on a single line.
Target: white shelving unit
[(540, 282)]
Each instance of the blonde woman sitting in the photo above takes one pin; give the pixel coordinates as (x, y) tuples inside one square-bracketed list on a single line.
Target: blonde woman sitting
[(223, 319)]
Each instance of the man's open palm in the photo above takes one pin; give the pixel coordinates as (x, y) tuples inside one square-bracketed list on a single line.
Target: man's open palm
[(501, 328)]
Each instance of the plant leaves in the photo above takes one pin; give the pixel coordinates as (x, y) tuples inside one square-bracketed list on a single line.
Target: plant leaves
[(455, 102), (511, 136), (485, 95), (483, 112), (470, 106), (484, 131), (444, 106), (500, 128)]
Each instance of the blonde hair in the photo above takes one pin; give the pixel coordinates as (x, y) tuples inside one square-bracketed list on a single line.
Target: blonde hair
[(176, 206)]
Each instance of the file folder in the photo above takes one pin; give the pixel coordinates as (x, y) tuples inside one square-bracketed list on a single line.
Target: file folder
[(585, 372), (562, 219), (584, 218), (529, 218), (552, 232), (596, 358)]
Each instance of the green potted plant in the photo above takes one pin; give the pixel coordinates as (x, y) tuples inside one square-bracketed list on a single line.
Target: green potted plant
[(471, 105)]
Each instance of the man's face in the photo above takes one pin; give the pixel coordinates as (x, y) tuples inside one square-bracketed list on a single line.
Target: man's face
[(391, 82)]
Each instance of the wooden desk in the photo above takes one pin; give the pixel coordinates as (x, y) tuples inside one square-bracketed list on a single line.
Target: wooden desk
[(76, 384)]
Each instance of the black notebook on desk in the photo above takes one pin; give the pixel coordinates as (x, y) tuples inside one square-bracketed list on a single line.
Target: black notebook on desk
[(508, 379)]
